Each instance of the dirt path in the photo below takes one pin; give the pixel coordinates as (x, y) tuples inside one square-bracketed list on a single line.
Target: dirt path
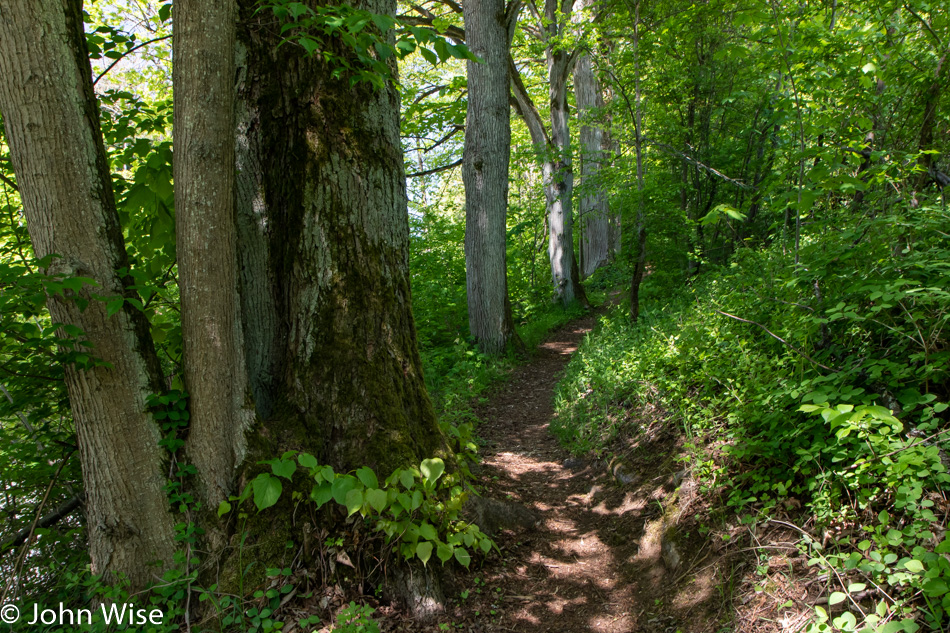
[(595, 560), (573, 573)]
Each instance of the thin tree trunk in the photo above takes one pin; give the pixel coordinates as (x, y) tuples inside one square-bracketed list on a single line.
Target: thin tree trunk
[(52, 124), (485, 174), (215, 374), (559, 178), (640, 267)]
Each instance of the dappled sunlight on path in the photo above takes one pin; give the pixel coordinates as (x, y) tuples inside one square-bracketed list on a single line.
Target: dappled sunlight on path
[(569, 579)]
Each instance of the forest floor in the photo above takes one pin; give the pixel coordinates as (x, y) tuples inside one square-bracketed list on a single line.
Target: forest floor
[(601, 557)]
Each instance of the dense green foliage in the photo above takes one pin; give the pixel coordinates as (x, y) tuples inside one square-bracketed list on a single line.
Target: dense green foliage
[(794, 314), (846, 413)]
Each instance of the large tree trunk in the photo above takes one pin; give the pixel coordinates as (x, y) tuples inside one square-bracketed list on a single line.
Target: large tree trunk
[(323, 243), (52, 124), (215, 375), (594, 214), (485, 174)]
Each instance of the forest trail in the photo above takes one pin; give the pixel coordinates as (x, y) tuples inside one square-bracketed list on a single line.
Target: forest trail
[(565, 576), (571, 573), (583, 568)]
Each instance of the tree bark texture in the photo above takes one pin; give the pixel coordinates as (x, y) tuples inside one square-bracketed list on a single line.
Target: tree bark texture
[(215, 374), (594, 213), (324, 250), (52, 124), (554, 150), (485, 174)]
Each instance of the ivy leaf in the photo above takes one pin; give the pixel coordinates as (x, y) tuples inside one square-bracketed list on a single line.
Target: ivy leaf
[(444, 552), (267, 489), (341, 487), (408, 479), (914, 565), (428, 532)]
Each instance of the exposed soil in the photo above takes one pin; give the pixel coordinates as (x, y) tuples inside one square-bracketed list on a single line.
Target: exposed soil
[(593, 563)]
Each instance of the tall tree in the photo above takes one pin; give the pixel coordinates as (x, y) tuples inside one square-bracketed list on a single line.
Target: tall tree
[(51, 121), (485, 174), (594, 211), (215, 375), (554, 148), (323, 238)]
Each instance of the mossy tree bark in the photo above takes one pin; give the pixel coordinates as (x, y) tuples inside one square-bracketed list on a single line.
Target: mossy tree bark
[(324, 243), (51, 121)]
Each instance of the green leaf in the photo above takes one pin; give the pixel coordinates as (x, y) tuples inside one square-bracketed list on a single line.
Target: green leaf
[(444, 552), (428, 531), (354, 501), (267, 489), (914, 565), (310, 45), (429, 56), (283, 468), (462, 556), (407, 478), (223, 508), (368, 477), (424, 551), (836, 597), (322, 493), (432, 469), (307, 460), (114, 305), (341, 487), (377, 499)]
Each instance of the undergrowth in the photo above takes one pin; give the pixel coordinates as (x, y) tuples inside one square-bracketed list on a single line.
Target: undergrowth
[(823, 385)]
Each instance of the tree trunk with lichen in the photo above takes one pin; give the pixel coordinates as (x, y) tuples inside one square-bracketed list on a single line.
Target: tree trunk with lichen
[(324, 249), (323, 239)]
